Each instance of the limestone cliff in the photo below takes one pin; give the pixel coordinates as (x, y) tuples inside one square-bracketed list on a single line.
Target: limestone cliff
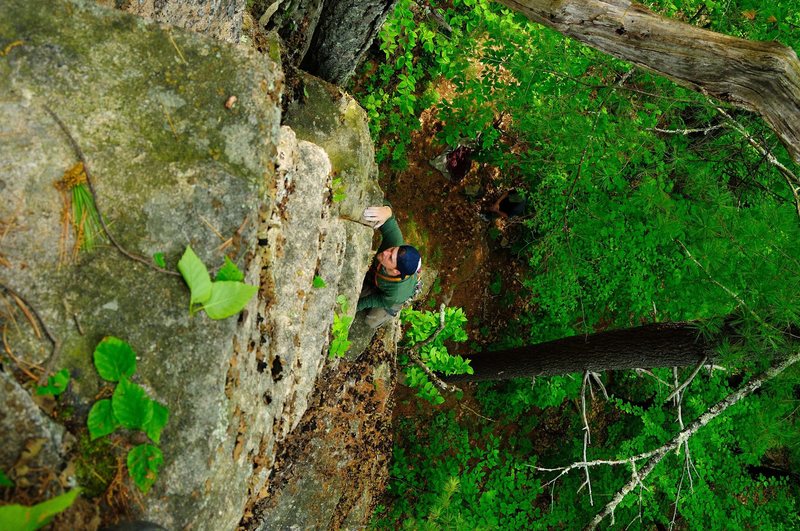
[(175, 162)]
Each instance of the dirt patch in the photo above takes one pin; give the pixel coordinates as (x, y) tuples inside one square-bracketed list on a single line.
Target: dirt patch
[(448, 219)]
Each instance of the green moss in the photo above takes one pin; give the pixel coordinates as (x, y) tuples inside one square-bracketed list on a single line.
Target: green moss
[(95, 465)]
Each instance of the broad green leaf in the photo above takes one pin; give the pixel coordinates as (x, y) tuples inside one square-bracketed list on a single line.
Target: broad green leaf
[(158, 258), (229, 271), (144, 461), (157, 422), (131, 405), (21, 518), (195, 274), (114, 359), (228, 298), (101, 419), (5, 481), (318, 282), (56, 384)]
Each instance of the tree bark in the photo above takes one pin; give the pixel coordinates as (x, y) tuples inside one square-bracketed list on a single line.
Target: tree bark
[(653, 345), (343, 35), (760, 76)]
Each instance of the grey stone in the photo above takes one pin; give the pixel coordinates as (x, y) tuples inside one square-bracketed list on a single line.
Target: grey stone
[(221, 19)]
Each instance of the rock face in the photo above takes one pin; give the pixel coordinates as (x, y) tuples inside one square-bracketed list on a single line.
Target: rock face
[(221, 19), (174, 166)]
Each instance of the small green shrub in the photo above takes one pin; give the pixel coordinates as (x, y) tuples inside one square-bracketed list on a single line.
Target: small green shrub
[(421, 326), (225, 296), (56, 384), (5, 481), (340, 330), (129, 407)]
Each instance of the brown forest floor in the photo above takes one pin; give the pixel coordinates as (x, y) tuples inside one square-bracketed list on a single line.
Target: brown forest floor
[(447, 220)]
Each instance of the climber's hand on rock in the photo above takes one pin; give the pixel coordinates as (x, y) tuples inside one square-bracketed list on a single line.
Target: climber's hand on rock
[(377, 215)]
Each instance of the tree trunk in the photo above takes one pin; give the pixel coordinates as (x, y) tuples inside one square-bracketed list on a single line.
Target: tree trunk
[(653, 345), (343, 35), (759, 76)]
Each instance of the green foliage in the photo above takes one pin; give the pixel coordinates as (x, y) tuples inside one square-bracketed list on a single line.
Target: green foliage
[(229, 272), (338, 190), (158, 259), (129, 407), (628, 225), (114, 359), (56, 384), (101, 419), (5, 481), (421, 326), (340, 329), (318, 282), (21, 518), (144, 462), (222, 298), (451, 476), (132, 408)]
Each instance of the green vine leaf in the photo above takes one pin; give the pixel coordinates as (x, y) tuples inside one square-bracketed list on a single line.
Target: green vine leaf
[(56, 384), (131, 405), (229, 271), (144, 461), (114, 359), (318, 282), (228, 298), (157, 422), (21, 518), (101, 419), (195, 274)]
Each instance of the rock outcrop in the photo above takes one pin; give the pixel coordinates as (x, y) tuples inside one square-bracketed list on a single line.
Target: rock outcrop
[(173, 165)]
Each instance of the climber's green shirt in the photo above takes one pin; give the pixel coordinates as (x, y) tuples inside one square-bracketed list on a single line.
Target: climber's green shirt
[(391, 292)]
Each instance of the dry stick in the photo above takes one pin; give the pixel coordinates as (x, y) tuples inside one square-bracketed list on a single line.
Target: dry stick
[(684, 132), (677, 391), (587, 437), (421, 364), (357, 221), (82, 158), (657, 455), (650, 373), (50, 336)]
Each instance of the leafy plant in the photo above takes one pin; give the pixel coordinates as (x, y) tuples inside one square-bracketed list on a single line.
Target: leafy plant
[(56, 384), (421, 326), (5, 481), (158, 259), (340, 329), (129, 407), (22, 518), (339, 193), (227, 295), (318, 282)]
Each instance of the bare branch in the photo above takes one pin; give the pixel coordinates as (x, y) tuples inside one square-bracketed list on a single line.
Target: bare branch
[(684, 132), (587, 436), (789, 176), (683, 386), (681, 437)]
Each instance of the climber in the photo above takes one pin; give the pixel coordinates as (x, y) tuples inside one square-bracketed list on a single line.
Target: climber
[(393, 277)]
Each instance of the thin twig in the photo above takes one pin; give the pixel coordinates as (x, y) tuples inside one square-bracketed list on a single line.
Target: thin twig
[(357, 221), (657, 455), (90, 184), (53, 341), (704, 130), (677, 391), (789, 176), (587, 436)]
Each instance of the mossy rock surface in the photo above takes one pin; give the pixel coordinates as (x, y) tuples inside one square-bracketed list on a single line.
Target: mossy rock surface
[(172, 166)]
